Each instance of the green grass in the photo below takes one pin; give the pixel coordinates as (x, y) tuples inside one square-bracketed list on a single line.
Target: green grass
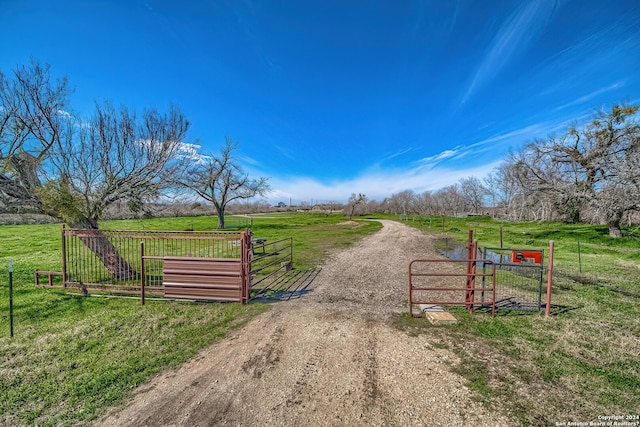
[(71, 357), (573, 366)]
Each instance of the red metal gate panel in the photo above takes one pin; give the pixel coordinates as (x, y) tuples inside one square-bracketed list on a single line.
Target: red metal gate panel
[(219, 279)]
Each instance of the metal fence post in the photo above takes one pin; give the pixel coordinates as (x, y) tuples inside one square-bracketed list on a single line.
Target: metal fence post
[(11, 298), (547, 311), (143, 273), (579, 258), (64, 257)]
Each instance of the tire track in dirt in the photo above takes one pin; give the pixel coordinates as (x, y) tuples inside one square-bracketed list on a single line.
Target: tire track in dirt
[(300, 392), (266, 357)]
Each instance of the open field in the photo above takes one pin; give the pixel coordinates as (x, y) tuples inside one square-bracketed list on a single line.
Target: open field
[(72, 357)]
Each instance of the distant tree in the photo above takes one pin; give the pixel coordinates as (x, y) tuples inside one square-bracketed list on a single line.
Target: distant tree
[(332, 206), (473, 192), (425, 204), (354, 202), (402, 203), (503, 189), (449, 200), (219, 179)]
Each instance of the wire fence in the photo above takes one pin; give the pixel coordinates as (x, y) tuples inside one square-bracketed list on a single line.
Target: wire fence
[(520, 286)]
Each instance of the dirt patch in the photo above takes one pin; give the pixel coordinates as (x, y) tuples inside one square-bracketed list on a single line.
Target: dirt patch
[(329, 358), (352, 224)]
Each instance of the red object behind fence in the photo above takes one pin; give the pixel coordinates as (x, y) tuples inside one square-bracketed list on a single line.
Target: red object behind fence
[(534, 257)]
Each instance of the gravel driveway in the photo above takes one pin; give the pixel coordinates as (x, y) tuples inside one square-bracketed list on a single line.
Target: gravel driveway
[(329, 358)]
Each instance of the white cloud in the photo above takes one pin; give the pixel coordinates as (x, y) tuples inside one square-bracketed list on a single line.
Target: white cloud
[(447, 154), (191, 152), (376, 185)]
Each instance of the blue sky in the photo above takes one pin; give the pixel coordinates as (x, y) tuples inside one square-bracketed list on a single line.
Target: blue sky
[(328, 98)]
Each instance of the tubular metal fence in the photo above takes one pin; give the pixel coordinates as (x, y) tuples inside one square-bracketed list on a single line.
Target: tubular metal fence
[(133, 262), (111, 260)]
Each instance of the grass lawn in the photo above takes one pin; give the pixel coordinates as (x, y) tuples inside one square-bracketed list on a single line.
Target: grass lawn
[(71, 357), (572, 367)]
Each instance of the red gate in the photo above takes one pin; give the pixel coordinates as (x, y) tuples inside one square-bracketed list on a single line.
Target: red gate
[(446, 290)]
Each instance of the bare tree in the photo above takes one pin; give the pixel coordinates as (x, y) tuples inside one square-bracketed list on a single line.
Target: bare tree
[(72, 169), (115, 156), (33, 109), (425, 205), (331, 206), (354, 202), (473, 193), (505, 191), (219, 179), (449, 200), (590, 171), (402, 203)]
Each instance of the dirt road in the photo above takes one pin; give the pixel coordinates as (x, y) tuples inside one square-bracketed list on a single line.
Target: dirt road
[(329, 358)]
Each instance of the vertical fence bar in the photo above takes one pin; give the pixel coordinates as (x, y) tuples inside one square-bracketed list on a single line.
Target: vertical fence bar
[(579, 258), (64, 257), (143, 273), (410, 292), (472, 278), (291, 250), (493, 285), (547, 311), (11, 298), (470, 250)]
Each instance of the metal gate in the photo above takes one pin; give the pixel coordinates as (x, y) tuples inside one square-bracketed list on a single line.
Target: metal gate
[(444, 285)]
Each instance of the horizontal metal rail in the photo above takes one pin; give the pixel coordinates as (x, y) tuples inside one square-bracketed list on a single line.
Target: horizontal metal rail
[(468, 290), (49, 275)]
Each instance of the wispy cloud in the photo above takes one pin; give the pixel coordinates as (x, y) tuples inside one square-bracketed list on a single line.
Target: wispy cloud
[(286, 152), (192, 152), (590, 96), (511, 40), (583, 64), (437, 158)]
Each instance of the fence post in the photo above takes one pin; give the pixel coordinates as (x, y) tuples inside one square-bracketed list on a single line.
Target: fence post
[(11, 298), (579, 258), (291, 250), (64, 257), (547, 311), (470, 282), (143, 275)]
